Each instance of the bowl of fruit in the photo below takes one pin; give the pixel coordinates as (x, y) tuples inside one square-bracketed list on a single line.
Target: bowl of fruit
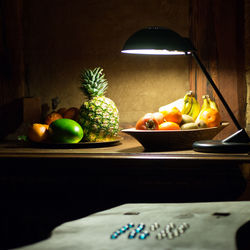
[(178, 125)]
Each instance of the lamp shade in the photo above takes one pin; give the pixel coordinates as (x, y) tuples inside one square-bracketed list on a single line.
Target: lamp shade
[(157, 41)]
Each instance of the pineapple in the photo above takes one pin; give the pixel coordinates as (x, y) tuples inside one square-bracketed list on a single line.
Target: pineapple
[(99, 116)]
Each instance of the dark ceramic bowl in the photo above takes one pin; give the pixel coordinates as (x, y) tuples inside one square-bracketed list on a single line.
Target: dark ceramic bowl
[(173, 139)]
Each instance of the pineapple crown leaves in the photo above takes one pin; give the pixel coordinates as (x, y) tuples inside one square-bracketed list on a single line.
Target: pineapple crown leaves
[(93, 82)]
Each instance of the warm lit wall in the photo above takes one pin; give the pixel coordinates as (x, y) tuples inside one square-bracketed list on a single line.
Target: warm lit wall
[(62, 37)]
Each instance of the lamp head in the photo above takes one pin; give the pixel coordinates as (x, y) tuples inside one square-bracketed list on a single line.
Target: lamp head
[(157, 41)]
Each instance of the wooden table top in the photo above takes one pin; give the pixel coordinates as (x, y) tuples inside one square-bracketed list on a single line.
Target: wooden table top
[(126, 148)]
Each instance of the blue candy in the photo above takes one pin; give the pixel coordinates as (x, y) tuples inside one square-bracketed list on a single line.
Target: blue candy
[(143, 235), (140, 227), (125, 228), (132, 234), (130, 225), (114, 236)]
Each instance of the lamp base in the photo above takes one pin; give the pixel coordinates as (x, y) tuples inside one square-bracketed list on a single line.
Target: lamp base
[(236, 143), (215, 146)]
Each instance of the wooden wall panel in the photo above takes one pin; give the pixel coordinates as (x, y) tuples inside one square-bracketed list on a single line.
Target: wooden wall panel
[(217, 31), (11, 65)]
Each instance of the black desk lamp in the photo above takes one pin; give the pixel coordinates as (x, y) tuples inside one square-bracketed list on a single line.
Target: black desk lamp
[(162, 41)]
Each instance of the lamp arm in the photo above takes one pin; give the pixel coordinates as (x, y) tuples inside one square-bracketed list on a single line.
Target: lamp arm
[(230, 112)]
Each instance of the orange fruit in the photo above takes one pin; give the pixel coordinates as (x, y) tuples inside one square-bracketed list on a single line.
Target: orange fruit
[(211, 117), (52, 117), (38, 132), (169, 126), (172, 115)]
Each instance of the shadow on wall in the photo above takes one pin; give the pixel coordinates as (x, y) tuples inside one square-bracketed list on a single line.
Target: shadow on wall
[(11, 115)]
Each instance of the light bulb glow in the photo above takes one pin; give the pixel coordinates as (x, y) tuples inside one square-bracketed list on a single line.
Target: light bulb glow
[(155, 52)]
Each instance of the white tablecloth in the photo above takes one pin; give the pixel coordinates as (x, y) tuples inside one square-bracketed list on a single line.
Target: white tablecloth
[(206, 231)]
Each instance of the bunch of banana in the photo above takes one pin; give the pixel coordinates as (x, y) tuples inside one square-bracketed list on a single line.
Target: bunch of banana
[(183, 104), (205, 105), (212, 104), (195, 107), (187, 103)]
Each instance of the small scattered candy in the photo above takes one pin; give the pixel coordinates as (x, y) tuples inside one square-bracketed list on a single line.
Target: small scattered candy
[(170, 231), (159, 236), (172, 225), (140, 227), (154, 226), (170, 236), (132, 234), (114, 236), (186, 225), (144, 235), (176, 232), (130, 225)]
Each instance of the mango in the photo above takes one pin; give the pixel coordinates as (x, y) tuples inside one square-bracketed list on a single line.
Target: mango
[(65, 131)]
